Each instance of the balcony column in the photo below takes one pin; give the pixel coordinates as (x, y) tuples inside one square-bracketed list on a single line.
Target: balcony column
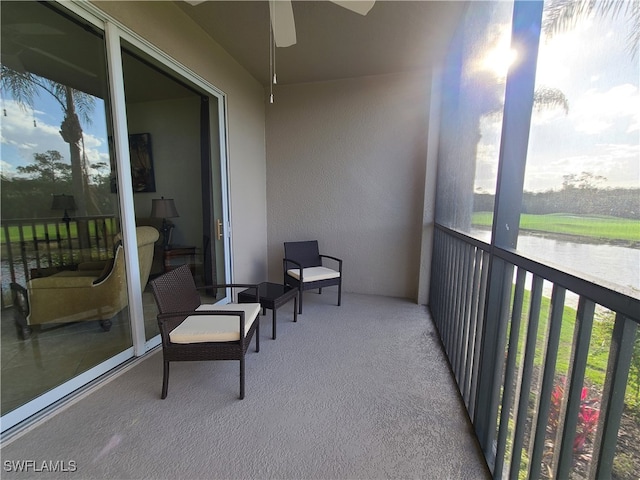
[(519, 94)]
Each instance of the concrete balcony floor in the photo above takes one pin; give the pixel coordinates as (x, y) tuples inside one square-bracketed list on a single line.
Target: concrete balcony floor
[(360, 391)]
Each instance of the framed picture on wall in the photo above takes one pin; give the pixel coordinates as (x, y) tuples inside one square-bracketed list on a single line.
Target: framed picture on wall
[(142, 174)]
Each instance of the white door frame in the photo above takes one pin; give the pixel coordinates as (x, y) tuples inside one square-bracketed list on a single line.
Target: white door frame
[(114, 34)]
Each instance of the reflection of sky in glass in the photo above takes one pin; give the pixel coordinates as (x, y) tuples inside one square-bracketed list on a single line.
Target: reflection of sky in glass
[(21, 139), (591, 65)]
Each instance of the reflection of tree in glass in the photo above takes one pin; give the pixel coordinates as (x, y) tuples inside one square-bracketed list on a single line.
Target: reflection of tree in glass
[(48, 167), (28, 194), (24, 87)]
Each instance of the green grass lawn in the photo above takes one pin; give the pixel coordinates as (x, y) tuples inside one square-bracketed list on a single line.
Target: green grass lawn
[(598, 227), (599, 346), (39, 231)]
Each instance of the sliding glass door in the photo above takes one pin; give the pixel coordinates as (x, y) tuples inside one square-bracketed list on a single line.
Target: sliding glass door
[(172, 168), (99, 138), (64, 282)]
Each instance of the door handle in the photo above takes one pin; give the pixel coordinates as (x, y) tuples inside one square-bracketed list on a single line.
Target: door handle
[(219, 229)]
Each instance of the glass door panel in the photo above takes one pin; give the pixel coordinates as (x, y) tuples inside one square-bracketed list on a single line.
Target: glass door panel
[(63, 274), (173, 137), (219, 233)]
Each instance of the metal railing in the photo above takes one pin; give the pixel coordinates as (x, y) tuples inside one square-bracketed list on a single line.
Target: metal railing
[(517, 334), (30, 246)]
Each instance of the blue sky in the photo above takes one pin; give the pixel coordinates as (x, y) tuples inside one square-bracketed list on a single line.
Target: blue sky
[(21, 139), (601, 133)]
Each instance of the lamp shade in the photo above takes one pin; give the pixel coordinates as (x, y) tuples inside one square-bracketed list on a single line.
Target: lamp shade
[(163, 208), (63, 202)]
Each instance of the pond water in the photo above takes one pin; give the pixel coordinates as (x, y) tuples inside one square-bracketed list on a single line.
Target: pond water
[(599, 262)]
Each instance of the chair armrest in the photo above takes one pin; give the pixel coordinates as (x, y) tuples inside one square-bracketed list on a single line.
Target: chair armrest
[(60, 282), (284, 268), (233, 285), (339, 260), (288, 260), (168, 321), (97, 265)]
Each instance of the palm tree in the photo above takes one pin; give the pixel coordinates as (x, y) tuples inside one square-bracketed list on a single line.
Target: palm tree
[(25, 86), (561, 15), (481, 95)]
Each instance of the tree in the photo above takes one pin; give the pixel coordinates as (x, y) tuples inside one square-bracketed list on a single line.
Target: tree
[(584, 181), (562, 15), (25, 86), (559, 16), (28, 194), (547, 98), (48, 167), (480, 96)]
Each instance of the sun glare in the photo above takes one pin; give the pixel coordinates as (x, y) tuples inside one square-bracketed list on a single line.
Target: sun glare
[(500, 58), (499, 61)]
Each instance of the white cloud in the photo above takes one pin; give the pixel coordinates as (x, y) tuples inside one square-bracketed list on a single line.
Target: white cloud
[(7, 169), (597, 111), (21, 139), (618, 163), (546, 116), (590, 65)]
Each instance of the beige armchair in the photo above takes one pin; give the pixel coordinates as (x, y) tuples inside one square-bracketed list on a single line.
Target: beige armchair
[(95, 291)]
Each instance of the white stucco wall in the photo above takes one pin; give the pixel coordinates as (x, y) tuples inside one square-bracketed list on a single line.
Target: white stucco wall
[(346, 165), (169, 29)]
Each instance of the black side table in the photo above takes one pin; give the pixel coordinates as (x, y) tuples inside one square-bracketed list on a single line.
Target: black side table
[(272, 296)]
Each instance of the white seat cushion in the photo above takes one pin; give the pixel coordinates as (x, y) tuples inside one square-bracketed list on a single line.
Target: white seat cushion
[(215, 328), (313, 274)]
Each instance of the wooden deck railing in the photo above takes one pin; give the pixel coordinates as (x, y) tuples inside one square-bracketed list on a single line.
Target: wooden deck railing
[(30, 246)]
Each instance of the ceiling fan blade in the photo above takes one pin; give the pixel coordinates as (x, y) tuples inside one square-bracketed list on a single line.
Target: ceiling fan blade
[(359, 6), (284, 27)]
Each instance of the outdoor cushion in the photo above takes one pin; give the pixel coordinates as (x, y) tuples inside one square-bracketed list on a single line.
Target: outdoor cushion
[(215, 328), (313, 274)]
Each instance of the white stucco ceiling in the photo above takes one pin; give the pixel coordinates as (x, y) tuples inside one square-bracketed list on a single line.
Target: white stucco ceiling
[(332, 42)]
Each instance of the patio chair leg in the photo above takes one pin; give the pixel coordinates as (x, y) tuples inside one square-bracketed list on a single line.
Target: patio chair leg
[(242, 377), (300, 302), (339, 293), (258, 334), (165, 380), (273, 324)]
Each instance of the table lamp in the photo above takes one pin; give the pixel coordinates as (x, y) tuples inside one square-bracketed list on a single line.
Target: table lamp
[(66, 203), (164, 208)]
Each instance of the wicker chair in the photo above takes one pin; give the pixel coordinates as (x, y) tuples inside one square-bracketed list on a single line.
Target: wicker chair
[(302, 267), (192, 331), (95, 290)]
